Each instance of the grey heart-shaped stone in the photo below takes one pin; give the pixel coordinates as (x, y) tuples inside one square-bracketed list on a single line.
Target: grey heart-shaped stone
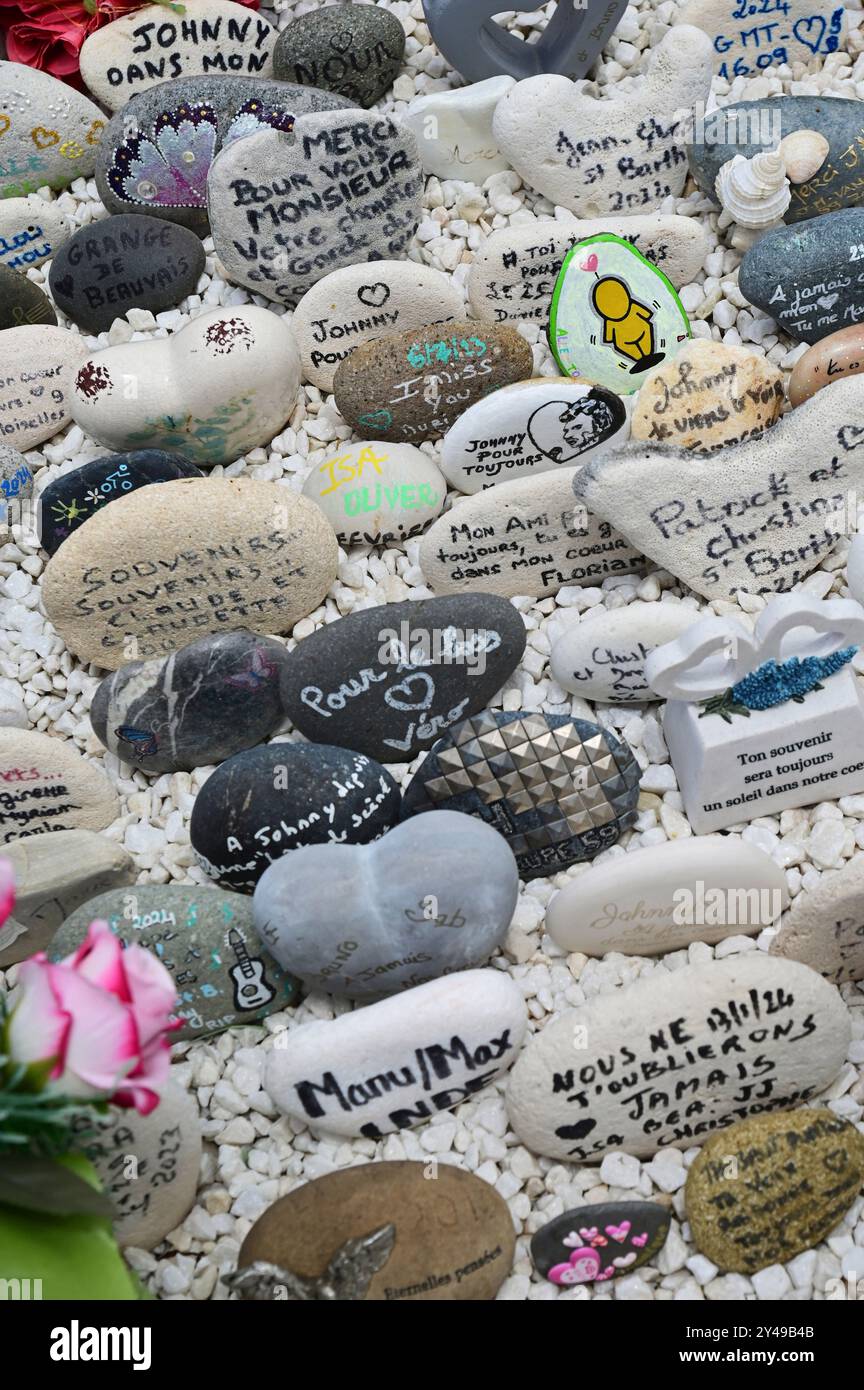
[(433, 896), (478, 47), (761, 519)]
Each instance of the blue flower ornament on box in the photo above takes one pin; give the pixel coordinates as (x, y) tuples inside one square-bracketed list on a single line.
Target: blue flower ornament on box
[(760, 722)]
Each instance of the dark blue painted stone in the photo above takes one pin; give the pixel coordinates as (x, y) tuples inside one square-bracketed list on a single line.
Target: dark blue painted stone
[(72, 499), (558, 789), (746, 127), (600, 1242), (807, 277), (262, 803)]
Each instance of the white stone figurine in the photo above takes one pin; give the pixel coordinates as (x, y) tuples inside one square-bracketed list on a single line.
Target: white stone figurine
[(759, 723)]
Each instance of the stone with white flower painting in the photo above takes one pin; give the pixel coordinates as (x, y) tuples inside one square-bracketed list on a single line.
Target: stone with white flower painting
[(603, 658), (454, 130)]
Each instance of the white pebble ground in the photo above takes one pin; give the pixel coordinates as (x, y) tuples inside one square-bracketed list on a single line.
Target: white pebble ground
[(252, 1156)]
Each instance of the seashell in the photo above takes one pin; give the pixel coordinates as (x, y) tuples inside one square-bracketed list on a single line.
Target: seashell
[(803, 152), (754, 192)]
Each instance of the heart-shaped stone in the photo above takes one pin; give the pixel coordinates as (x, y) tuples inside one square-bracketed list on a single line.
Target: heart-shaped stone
[(363, 920), (477, 47), (619, 155), (223, 384), (763, 521)]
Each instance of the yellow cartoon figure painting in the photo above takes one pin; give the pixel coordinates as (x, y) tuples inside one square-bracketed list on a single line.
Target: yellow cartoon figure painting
[(627, 323)]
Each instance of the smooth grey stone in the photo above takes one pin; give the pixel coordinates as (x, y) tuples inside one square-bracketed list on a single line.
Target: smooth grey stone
[(16, 483), (355, 50), (144, 167), (205, 939), (363, 920), (22, 302), (808, 277), (477, 47), (746, 127), (198, 706)]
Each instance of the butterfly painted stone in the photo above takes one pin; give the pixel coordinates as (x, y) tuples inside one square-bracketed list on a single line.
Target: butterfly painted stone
[(600, 1242), (70, 500), (477, 47), (193, 708), (614, 316), (157, 150), (49, 133)]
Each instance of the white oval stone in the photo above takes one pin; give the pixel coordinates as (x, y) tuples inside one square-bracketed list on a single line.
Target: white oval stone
[(530, 428), (148, 1165), (394, 1064), (672, 1058), (47, 785), (374, 491), (357, 303), (824, 927), (454, 130), (49, 133), (652, 901), (38, 367), (224, 384), (524, 537), (157, 43), (603, 658), (513, 273), (31, 231)]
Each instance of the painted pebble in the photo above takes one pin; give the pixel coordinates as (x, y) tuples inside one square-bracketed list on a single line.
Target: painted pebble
[(444, 1041), (358, 303), (175, 561), (673, 504), (70, 500), (389, 681), (514, 271), (16, 485), (355, 50), (317, 218), (558, 789), (454, 1236), (373, 493), (708, 397), (603, 658), (824, 927), (839, 355), (153, 45), (55, 874), (415, 385), (805, 277), (265, 801), (22, 302), (32, 230), (50, 132), (124, 262), (599, 1242), (524, 537), (773, 1186), (193, 708), (614, 315), (649, 902), (748, 1034), (39, 367), (540, 125), (47, 785), (154, 1197), (425, 910), (224, 384), (205, 939), (454, 130)]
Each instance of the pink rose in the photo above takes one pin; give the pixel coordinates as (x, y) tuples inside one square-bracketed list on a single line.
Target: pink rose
[(93, 1025)]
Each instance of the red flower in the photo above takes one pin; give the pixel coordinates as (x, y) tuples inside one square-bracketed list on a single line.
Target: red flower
[(48, 34)]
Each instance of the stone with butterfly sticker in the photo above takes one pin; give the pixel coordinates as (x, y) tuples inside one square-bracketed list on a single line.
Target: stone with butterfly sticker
[(157, 150), (207, 942), (22, 302), (50, 132), (805, 277), (600, 1242), (391, 680), (194, 708), (355, 50)]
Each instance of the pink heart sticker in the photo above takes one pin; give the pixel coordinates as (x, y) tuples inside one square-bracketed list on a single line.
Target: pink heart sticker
[(588, 1232), (590, 263), (640, 1240), (619, 1233), (605, 1274)]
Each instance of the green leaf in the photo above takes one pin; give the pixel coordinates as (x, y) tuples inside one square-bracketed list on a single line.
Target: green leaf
[(38, 1184)]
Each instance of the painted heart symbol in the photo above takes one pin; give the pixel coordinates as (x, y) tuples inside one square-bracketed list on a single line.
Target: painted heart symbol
[(640, 1240), (43, 139), (572, 1241), (37, 391), (804, 26), (588, 1232), (850, 437), (374, 295), (577, 1131), (619, 1233), (624, 1260), (604, 1274), (341, 41), (562, 430), (827, 301), (404, 688), (590, 262), (377, 420), (5, 123)]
